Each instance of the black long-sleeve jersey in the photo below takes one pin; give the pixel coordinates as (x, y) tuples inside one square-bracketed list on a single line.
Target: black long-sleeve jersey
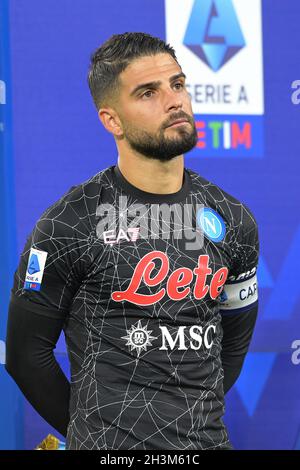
[(147, 288)]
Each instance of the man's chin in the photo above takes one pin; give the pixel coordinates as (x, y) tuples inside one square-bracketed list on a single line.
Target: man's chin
[(166, 148)]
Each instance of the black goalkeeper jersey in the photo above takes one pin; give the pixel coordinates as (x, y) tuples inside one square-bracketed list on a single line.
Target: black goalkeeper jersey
[(142, 281)]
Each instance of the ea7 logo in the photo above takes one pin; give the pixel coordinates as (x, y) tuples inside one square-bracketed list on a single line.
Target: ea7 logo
[(130, 235)]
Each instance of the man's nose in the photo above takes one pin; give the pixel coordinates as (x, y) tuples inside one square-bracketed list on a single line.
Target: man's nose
[(172, 100)]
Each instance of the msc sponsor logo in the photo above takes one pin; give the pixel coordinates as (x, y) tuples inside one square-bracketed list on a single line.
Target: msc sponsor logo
[(188, 338), (139, 338)]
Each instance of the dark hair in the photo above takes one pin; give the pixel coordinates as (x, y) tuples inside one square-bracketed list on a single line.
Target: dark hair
[(112, 58)]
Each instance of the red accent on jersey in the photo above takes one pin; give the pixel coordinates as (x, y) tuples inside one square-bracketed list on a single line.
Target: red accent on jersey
[(181, 277)]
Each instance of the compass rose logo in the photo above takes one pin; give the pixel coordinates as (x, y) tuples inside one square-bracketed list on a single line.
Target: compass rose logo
[(139, 338)]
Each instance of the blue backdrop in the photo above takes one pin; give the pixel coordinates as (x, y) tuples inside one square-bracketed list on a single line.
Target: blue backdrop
[(11, 401), (59, 142)]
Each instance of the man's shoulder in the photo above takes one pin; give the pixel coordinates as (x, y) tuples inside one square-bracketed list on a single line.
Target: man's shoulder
[(78, 205), (210, 189), (90, 188), (221, 200)]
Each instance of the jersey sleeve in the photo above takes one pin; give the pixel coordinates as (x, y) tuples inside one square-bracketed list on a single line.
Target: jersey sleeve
[(239, 298), (240, 291), (51, 265)]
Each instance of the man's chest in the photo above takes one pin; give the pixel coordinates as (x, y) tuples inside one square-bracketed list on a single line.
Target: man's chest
[(149, 271)]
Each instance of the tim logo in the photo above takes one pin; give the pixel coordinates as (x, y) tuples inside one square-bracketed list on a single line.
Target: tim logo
[(213, 32)]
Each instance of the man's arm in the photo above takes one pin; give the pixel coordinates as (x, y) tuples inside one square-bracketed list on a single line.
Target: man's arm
[(32, 333), (237, 334), (50, 271), (239, 298)]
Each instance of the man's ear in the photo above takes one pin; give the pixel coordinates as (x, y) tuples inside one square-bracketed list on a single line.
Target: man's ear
[(111, 121)]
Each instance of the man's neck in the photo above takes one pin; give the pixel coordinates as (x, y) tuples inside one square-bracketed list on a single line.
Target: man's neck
[(153, 176)]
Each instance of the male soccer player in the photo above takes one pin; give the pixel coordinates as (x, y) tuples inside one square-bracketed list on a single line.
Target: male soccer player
[(149, 269)]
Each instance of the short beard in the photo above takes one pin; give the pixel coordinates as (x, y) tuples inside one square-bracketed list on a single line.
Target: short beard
[(160, 147)]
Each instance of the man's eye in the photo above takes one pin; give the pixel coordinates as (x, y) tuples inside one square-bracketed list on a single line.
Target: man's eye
[(179, 85), (147, 94)]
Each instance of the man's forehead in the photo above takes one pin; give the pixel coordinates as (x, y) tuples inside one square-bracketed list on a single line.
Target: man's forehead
[(148, 69)]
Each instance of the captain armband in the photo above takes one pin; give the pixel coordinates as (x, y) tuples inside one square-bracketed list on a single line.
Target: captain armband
[(239, 293)]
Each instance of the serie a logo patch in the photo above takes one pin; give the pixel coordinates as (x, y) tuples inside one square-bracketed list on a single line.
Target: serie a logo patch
[(35, 269)]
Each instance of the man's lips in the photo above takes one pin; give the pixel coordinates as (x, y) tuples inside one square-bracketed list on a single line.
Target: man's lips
[(179, 122)]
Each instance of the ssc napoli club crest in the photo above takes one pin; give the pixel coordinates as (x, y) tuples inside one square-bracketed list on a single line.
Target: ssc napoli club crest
[(212, 224)]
